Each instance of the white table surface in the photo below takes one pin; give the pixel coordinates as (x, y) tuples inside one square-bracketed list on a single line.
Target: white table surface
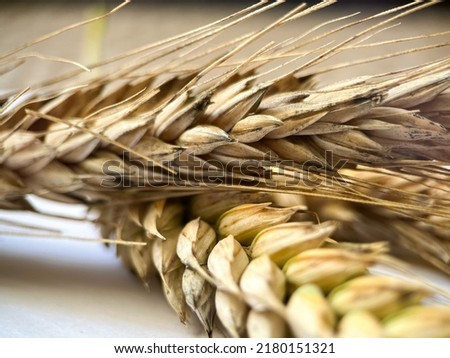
[(62, 288)]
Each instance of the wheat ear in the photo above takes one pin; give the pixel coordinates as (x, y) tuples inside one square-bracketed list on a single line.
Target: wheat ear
[(266, 271)]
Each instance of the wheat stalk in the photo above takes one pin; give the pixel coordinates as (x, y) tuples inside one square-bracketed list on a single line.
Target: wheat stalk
[(252, 130)]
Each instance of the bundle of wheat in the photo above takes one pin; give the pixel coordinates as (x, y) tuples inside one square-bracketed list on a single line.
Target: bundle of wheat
[(252, 143)]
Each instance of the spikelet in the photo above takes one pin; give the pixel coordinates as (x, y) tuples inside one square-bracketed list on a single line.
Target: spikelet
[(419, 321), (360, 324), (309, 314)]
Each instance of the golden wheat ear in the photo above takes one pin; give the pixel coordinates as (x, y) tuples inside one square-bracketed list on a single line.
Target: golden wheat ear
[(213, 158), (261, 276)]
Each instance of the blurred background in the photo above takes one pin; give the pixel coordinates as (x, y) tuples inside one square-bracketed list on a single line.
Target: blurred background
[(141, 22), (209, 2)]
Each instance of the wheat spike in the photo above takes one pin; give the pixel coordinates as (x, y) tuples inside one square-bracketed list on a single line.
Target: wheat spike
[(215, 161), (323, 290)]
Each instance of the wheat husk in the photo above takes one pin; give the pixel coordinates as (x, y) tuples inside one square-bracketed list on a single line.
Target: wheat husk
[(263, 324), (419, 321), (326, 267), (232, 313), (377, 294), (310, 314), (360, 324), (283, 241)]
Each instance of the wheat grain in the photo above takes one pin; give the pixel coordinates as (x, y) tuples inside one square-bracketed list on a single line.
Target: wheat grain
[(360, 324), (263, 285), (419, 321), (282, 241), (377, 294), (210, 206), (263, 324), (309, 313), (245, 221)]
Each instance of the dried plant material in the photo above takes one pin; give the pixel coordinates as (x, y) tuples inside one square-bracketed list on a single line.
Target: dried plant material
[(57, 178), (265, 324), (195, 243), (419, 322), (13, 142), (239, 151), (170, 126), (417, 90), (372, 248), (22, 151), (138, 259), (210, 206), (156, 149), (283, 241), (438, 109), (263, 285), (287, 200), (292, 126), (232, 312), (254, 128), (326, 267), (352, 154), (149, 217), (76, 148), (199, 296), (171, 270), (355, 139), (309, 314), (400, 124), (295, 149), (417, 240), (146, 222), (226, 263), (230, 112), (380, 295), (11, 186), (161, 216), (141, 116), (142, 262), (94, 168), (203, 139), (134, 258), (360, 324), (245, 221)]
